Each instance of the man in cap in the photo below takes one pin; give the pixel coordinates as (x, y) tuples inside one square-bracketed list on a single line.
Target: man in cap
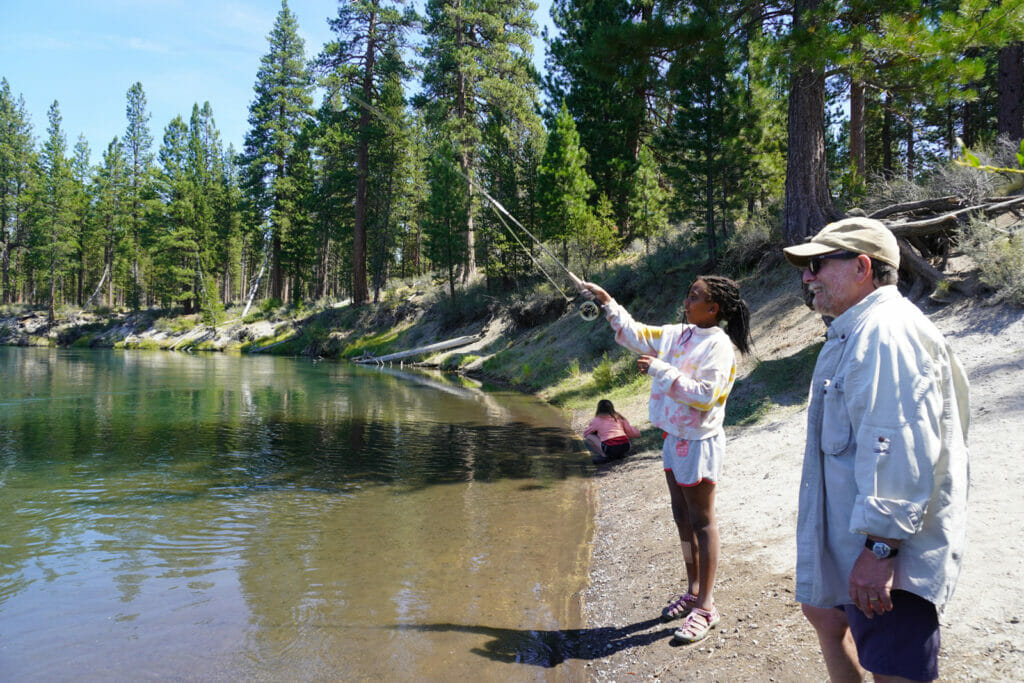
[(883, 494)]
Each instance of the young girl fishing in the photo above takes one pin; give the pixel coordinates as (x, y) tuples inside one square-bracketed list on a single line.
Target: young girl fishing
[(693, 367), (608, 434)]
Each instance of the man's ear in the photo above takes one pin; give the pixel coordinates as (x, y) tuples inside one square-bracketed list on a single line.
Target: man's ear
[(864, 268)]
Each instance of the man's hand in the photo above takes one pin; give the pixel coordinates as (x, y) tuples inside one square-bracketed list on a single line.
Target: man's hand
[(643, 363), (871, 583)]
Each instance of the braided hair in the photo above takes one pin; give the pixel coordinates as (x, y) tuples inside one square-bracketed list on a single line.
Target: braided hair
[(732, 310)]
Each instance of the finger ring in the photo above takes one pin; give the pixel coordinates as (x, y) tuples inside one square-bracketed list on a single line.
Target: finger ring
[(872, 599)]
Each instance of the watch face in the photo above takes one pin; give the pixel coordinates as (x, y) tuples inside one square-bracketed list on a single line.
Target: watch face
[(881, 550)]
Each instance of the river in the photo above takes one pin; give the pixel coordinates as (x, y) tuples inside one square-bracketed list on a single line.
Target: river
[(223, 517)]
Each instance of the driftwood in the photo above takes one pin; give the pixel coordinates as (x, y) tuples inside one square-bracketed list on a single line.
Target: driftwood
[(430, 348)]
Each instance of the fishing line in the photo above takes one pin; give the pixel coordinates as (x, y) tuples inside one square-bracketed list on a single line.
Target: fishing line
[(588, 310)]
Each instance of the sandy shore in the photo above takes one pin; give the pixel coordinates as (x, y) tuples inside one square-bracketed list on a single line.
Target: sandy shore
[(763, 637)]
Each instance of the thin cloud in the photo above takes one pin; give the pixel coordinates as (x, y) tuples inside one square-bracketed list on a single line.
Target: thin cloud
[(144, 45)]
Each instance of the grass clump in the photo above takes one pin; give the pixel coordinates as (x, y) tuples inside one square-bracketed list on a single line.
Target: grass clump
[(999, 255)]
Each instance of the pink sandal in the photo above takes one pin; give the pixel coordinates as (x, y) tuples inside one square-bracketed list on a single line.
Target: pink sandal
[(679, 607), (697, 625)]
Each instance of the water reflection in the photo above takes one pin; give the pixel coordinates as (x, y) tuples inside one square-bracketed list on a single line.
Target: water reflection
[(269, 517)]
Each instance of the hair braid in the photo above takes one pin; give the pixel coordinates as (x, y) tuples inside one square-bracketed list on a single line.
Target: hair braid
[(732, 309)]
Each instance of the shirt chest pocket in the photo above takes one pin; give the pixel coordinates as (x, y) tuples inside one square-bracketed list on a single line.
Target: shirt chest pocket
[(836, 429)]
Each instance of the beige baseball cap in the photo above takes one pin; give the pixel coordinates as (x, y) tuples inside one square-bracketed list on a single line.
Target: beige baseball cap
[(860, 235)]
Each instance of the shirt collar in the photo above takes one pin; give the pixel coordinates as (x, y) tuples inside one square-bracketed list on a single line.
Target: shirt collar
[(843, 325)]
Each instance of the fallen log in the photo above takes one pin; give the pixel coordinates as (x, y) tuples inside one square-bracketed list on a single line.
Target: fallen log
[(430, 348), (939, 204), (937, 224)]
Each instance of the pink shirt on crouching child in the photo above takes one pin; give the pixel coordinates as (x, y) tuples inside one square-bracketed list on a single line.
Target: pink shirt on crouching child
[(610, 429)]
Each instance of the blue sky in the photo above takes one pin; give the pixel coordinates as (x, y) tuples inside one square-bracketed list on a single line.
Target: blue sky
[(87, 53)]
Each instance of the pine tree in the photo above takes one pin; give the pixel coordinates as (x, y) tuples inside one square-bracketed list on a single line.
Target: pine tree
[(206, 170), (140, 198), (648, 199), (444, 215), (477, 59), (16, 174), (564, 188), (175, 249), (281, 106), (53, 239), (606, 64), (706, 140), (364, 57), (82, 209), (111, 215)]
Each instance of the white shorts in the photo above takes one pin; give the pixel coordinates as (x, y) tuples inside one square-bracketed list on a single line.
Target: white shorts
[(692, 462)]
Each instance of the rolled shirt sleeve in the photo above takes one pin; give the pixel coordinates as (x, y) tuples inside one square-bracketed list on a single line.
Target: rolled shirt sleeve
[(898, 441)]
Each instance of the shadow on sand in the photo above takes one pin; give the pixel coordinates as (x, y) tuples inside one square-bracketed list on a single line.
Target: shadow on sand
[(551, 648)]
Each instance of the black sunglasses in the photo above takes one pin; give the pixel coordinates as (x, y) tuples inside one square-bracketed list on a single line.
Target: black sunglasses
[(814, 264)]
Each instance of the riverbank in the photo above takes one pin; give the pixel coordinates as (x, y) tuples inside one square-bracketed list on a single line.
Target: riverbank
[(763, 636)]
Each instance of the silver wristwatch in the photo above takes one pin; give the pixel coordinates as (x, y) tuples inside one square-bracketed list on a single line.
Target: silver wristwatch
[(881, 549)]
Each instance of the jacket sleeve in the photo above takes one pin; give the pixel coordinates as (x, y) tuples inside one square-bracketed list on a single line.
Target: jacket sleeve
[(894, 400), (705, 384), (631, 334)]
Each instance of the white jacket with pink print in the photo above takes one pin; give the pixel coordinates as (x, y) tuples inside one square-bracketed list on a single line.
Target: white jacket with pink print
[(692, 376)]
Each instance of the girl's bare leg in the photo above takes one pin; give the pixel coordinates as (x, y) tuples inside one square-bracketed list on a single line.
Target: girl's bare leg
[(700, 507), (681, 515)]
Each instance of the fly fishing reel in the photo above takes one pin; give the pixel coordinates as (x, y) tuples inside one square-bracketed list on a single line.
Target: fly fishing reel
[(589, 310)]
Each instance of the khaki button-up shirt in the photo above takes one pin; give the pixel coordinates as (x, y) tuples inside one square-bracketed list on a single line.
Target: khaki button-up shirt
[(886, 453)]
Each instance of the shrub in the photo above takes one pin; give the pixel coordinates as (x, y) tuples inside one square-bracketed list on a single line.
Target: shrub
[(604, 374), (999, 255)]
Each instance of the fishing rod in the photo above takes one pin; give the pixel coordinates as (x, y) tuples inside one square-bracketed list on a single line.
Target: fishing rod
[(588, 310)]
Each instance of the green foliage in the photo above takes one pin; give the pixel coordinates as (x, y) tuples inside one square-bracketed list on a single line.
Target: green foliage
[(270, 306), (564, 187), (445, 220), (377, 344), (648, 199), (176, 324), (276, 155), (604, 374), (999, 255), (970, 159)]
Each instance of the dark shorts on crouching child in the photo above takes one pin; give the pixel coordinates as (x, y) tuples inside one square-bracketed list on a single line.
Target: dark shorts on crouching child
[(903, 642), (615, 448)]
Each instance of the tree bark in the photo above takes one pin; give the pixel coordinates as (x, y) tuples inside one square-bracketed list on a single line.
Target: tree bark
[(887, 168), (1011, 92), (360, 294), (808, 202), (857, 139), (911, 158)]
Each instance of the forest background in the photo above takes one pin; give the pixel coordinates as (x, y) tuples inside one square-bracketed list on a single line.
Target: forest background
[(755, 122)]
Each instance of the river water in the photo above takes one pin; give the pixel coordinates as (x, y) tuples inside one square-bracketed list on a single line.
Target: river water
[(218, 517)]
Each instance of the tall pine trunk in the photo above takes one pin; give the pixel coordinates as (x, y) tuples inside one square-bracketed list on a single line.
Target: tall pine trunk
[(808, 202), (1011, 92), (857, 128)]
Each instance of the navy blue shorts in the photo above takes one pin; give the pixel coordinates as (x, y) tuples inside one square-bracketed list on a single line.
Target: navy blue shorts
[(903, 642)]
